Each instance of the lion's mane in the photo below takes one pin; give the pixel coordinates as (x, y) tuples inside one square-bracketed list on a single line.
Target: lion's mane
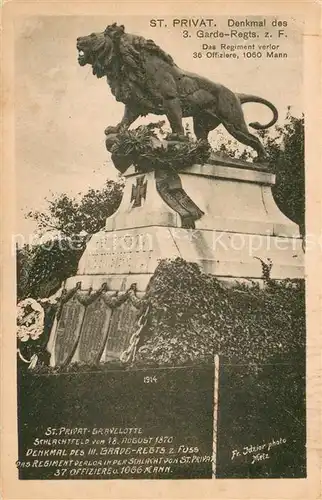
[(125, 64)]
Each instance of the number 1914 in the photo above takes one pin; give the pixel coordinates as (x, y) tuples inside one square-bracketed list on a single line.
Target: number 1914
[(150, 379)]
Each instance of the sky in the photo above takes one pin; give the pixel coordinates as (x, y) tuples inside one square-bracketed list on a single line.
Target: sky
[(61, 109)]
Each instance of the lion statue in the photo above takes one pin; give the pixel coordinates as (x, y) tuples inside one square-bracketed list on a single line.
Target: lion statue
[(146, 80)]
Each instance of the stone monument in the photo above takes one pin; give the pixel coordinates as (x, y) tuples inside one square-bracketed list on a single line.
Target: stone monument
[(219, 213)]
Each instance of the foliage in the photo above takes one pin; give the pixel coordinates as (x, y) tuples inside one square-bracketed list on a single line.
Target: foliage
[(71, 216), (147, 150), (285, 149), (194, 316), (286, 154), (137, 141), (30, 320), (42, 267)]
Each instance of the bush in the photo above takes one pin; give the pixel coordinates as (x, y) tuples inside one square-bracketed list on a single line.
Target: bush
[(194, 316), (42, 268)]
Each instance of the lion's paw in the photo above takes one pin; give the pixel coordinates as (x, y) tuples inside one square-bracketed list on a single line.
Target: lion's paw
[(177, 137), (110, 130)]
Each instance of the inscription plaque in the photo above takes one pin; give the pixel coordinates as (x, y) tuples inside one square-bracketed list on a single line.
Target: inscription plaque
[(94, 331), (68, 330), (122, 325), (119, 418)]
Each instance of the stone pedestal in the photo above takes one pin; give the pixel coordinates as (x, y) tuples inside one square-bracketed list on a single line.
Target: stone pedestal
[(241, 227)]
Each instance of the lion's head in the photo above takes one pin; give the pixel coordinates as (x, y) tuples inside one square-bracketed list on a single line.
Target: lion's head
[(113, 48), (97, 50)]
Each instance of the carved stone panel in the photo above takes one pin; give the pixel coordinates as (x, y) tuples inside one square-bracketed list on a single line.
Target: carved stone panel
[(94, 331), (68, 330), (122, 326)]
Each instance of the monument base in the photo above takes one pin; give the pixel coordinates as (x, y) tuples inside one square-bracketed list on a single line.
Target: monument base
[(240, 230)]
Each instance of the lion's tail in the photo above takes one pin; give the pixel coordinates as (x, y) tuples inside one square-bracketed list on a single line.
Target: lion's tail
[(244, 98)]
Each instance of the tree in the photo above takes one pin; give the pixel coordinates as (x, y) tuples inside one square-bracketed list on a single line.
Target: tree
[(88, 214), (41, 268), (286, 156)]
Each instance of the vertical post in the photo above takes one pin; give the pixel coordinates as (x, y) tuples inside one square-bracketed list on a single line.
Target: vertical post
[(215, 418), (51, 342)]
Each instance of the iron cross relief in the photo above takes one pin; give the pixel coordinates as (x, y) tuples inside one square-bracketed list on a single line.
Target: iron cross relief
[(138, 191)]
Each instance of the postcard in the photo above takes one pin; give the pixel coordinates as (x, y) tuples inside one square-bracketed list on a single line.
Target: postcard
[(161, 234)]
